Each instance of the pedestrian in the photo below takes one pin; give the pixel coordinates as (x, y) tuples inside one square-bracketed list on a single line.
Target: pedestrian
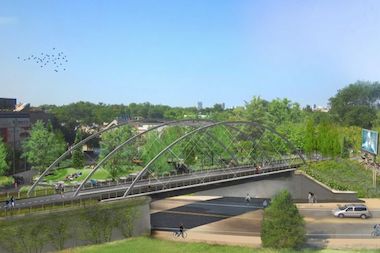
[(12, 202), (62, 188), (310, 197), (314, 198), (247, 198), (6, 204), (265, 203)]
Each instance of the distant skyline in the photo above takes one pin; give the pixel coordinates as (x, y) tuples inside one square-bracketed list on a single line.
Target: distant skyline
[(180, 52)]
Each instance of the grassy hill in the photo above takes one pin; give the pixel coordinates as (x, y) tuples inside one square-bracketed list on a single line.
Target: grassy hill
[(145, 244)]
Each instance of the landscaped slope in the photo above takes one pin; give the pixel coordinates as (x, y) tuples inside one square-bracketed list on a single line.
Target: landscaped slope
[(344, 175), (144, 244)]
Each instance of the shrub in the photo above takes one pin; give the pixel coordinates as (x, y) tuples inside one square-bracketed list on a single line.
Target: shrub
[(6, 181), (282, 226)]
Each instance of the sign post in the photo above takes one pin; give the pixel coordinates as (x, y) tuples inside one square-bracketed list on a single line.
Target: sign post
[(370, 141)]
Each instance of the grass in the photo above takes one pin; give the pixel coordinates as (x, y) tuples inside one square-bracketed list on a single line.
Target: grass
[(60, 174), (344, 175), (146, 244), (6, 181)]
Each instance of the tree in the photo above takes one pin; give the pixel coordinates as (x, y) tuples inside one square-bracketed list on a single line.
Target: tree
[(42, 147), (58, 230), (356, 104), (346, 146), (283, 226), (3, 158), (310, 137), (122, 160), (328, 139), (78, 156), (257, 110)]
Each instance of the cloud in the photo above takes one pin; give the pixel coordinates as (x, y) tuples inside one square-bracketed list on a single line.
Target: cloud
[(8, 20)]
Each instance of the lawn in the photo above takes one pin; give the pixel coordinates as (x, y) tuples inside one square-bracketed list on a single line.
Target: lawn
[(60, 174), (344, 175), (145, 244)]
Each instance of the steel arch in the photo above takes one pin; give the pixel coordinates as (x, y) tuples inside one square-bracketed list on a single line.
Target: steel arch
[(109, 155), (68, 151), (143, 171)]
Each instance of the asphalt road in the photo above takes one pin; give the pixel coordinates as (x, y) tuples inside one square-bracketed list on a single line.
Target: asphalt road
[(202, 213), (233, 216)]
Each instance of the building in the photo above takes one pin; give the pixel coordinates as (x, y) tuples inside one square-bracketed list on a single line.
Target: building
[(14, 128), (318, 108), (16, 121)]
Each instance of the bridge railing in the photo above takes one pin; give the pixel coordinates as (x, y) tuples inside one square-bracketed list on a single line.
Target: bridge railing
[(226, 174), (174, 182), (127, 180), (43, 207)]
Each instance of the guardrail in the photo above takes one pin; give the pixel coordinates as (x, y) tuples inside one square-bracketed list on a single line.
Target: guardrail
[(72, 203)]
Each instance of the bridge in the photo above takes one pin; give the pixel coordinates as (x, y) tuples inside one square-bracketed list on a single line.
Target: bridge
[(168, 185), (177, 155)]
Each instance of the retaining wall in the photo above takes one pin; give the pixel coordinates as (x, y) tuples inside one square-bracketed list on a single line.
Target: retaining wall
[(98, 223), (297, 183)]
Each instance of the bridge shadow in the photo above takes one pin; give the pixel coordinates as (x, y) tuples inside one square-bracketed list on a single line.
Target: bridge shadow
[(199, 213)]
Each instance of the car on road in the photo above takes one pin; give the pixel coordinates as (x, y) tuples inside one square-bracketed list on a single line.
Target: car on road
[(352, 210)]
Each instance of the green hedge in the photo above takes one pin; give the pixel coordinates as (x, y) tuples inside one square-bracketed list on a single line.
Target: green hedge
[(33, 233)]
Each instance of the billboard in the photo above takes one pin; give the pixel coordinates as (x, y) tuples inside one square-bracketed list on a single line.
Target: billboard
[(369, 141)]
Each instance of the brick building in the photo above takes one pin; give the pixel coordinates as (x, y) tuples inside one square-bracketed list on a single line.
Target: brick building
[(15, 124)]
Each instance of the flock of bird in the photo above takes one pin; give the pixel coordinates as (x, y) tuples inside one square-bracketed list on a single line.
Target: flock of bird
[(55, 60)]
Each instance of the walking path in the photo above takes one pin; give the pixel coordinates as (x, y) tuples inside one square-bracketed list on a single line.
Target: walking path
[(255, 241), (208, 233)]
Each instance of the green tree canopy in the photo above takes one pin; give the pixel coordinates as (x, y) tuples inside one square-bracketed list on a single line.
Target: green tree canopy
[(356, 104), (120, 162), (282, 226), (78, 156), (43, 146), (3, 158)]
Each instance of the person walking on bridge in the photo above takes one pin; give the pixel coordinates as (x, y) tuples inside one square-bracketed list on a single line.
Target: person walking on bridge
[(13, 202)]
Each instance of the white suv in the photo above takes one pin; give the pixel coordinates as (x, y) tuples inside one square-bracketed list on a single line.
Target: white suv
[(352, 210)]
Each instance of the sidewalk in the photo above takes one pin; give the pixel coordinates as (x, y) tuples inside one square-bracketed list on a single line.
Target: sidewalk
[(255, 241), (192, 236)]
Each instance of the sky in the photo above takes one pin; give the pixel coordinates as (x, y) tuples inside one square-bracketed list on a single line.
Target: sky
[(183, 51)]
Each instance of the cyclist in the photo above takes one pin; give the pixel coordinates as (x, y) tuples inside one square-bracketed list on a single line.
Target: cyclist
[(180, 230)]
